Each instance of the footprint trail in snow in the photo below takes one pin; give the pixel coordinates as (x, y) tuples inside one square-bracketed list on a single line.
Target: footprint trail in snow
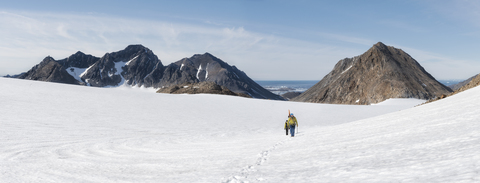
[(245, 174)]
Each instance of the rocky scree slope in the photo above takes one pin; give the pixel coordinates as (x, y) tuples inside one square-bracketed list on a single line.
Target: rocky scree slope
[(461, 84), (470, 83)]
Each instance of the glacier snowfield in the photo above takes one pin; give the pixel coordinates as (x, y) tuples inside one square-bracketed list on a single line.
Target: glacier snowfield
[(53, 132)]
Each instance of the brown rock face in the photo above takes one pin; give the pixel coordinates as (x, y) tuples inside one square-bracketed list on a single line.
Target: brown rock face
[(473, 83), (461, 84), (381, 73)]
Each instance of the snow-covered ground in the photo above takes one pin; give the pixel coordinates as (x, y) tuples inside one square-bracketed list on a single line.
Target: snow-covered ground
[(64, 133)]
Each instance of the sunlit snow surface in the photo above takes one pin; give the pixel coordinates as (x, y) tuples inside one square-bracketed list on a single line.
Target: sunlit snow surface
[(64, 133)]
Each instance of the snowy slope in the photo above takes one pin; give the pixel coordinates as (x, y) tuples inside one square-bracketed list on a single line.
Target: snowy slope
[(437, 142), (64, 133)]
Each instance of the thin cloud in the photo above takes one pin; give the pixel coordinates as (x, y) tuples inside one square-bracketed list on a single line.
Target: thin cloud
[(29, 37), (61, 35), (349, 39), (404, 26), (442, 66), (466, 11)]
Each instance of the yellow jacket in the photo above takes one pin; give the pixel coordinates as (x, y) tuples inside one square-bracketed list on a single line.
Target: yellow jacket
[(292, 121)]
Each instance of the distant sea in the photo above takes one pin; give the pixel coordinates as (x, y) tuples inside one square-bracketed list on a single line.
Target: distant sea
[(281, 87), (450, 82)]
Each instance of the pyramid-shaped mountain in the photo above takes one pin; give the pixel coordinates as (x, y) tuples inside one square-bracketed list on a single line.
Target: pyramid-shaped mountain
[(381, 73), (137, 65)]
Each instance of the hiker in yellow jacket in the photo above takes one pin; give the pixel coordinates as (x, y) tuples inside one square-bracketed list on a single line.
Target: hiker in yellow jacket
[(292, 121)]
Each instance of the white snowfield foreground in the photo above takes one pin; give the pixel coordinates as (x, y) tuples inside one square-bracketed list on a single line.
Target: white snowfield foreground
[(63, 133)]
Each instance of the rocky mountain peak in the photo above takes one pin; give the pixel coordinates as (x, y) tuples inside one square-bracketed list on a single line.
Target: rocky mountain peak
[(79, 54), (206, 58), (49, 70), (381, 73), (78, 60), (210, 56), (136, 48), (380, 46), (46, 60)]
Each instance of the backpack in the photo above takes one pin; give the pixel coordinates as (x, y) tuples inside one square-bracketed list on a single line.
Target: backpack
[(292, 121)]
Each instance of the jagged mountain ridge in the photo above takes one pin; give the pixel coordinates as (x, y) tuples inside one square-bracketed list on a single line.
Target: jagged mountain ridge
[(137, 65), (381, 73)]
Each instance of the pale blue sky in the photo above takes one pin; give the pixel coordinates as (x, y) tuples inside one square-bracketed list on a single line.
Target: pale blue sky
[(269, 40)]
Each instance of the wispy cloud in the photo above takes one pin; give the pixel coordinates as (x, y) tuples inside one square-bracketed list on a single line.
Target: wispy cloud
[(465, 11), (28, 37), (404, 26), (444, 67), (348, 39)]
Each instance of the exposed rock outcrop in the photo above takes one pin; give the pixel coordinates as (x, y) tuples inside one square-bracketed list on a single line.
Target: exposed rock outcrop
[(471, 83), (291, 95), (461, 84), (474, 82), (202, 87)]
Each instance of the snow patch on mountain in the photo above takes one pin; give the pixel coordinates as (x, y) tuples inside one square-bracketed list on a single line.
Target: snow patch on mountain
[(118, 71), (119, 67), (347, 69), (198, 72), (76, 72), (86, 70), (134, 58)]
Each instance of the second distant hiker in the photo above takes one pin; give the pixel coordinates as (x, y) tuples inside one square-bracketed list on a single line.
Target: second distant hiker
[(287, 127)]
